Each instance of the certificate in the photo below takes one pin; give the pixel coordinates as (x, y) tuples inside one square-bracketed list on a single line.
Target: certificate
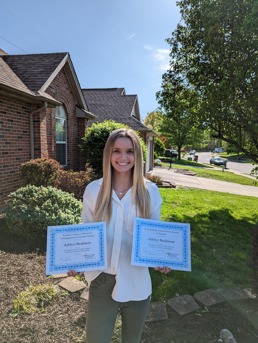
[(79, 247), (161, 244)]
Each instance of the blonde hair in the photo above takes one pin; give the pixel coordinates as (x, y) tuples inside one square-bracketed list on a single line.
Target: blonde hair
[(140, 194)]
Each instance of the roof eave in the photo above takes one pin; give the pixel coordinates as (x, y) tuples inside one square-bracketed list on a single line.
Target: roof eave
[(23, 96), (82, 113)]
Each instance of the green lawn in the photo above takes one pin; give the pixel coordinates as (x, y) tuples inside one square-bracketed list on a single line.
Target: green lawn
[(222, 227), (205, 170)]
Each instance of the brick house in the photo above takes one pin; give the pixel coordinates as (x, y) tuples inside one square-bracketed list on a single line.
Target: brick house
[(115, 104), (42, 114)]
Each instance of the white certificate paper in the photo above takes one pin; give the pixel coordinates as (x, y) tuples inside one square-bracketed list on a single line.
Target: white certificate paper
[(161, 244), (79, 247)]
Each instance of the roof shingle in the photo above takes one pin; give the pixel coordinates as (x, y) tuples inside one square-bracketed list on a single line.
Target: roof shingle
[(34, 70), (114, 104), (10, 79)]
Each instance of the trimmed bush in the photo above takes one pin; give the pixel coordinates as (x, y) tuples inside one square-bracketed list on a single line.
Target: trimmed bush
[(73, 182), (40, 172), (31, 209), (94, 141)]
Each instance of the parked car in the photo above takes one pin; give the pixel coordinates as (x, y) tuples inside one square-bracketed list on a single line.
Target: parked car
[(218, 161), (171, 153), (192, 152), (219, 149)]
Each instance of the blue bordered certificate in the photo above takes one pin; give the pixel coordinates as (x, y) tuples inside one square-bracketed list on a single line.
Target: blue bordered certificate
[(79, 247), (161, 244)]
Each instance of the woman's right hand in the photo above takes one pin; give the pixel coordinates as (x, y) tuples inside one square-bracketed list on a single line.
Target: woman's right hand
[(72, 273)]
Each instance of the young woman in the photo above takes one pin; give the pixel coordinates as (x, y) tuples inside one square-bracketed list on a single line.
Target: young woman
[(118, 198)]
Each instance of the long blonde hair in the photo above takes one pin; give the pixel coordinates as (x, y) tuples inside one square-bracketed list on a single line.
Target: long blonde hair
[(140, 194)]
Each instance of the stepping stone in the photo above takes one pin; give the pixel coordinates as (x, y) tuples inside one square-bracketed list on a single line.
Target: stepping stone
[(233, 293), (157, 311), (209, 297), (57, 276), (183, 304), (227, 337), (85, 294), (72, 285), (249, 293)]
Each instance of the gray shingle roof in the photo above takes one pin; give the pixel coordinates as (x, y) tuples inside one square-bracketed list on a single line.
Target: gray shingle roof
[(10, 79), (34, 70), (114, 104)]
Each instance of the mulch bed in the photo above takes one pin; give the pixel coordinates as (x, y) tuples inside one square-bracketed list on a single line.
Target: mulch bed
[(63, 321)]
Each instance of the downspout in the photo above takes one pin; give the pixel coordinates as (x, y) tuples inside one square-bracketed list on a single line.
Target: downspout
[(32, 128)]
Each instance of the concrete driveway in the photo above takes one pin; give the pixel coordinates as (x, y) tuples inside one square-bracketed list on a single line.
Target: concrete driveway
[(204, 183)]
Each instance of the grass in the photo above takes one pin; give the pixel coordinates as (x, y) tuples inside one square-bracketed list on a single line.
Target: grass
[(206, 171), (222, 227)]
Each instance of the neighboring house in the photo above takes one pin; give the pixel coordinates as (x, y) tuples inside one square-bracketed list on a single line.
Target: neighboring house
[(42, 114), (115, 104)]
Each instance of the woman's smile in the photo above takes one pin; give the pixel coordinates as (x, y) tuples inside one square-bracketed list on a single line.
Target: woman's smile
[(122, 158)]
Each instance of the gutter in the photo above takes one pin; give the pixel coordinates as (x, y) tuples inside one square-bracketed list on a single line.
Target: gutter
[(44, 107)]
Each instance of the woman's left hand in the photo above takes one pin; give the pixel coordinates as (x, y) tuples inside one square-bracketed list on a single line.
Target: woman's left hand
[(163, 270)]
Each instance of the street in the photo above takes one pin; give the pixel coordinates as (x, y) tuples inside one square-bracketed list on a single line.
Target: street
[(179, 179)]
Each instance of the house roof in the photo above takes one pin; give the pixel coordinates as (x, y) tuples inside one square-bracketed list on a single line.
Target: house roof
[(33, 73), (114, 104), (10, 79), (34, 70)]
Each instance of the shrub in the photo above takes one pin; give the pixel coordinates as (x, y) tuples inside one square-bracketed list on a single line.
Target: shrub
[(254, 172), (34, 299), (154, 178), (31, 209), (40, 172), (73, 182), (94, 141), (159, 149)]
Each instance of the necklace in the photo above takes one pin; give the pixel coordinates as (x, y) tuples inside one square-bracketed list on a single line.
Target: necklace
[(120, 193)]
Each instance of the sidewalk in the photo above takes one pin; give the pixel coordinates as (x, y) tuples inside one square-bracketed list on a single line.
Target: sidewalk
[(204, 183)]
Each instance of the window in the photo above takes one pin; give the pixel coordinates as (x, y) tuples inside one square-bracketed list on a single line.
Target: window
[(61, 136)]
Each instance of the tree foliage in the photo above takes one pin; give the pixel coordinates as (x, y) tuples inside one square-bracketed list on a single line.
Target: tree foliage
[(213, 70), (159, 147), (153, 120), (179, 123)]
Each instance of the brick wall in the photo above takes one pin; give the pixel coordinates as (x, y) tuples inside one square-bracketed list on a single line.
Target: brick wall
[(14, 144), (60, 90)]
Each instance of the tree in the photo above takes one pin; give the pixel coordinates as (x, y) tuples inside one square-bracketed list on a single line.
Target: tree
[(179, 102), (153, 120), (214, 55)]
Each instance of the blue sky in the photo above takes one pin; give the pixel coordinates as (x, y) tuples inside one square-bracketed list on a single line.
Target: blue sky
[(112, 43)]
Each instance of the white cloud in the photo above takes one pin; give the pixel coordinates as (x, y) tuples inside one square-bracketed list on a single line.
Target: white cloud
[(160, 56)]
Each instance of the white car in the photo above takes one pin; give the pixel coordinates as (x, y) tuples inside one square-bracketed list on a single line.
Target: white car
[(192, 152), (219, 150)]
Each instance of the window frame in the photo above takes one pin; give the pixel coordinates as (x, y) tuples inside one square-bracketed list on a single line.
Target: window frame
[(60, 114)]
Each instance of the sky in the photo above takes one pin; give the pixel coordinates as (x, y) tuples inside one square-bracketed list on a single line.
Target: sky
[(112, 43)]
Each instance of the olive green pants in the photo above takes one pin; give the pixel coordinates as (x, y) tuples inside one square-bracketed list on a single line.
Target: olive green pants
[(103, 310)]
